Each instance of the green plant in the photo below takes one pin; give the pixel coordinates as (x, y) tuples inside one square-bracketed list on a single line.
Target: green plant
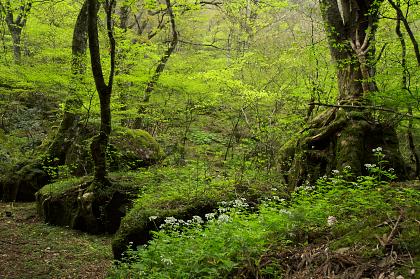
[(238, 241)]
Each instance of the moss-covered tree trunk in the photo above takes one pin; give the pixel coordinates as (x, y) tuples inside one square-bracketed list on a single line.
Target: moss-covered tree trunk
[(345, 134), (67, 132)]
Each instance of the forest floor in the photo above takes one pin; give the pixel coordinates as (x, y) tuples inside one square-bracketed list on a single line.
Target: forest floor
[(31, 249)]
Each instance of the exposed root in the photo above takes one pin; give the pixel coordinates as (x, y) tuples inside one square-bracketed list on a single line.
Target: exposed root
[(336, 139)]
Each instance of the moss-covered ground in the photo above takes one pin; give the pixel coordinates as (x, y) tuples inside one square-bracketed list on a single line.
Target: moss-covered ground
[(32, 249)]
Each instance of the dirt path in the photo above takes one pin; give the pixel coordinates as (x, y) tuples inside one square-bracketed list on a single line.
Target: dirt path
[(31, 249)]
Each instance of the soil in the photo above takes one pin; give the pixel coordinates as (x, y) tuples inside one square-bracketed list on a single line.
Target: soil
[(31, 249)]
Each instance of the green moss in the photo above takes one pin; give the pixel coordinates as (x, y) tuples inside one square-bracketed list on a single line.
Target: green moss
[(132, 148), (180, 192), (64, 203), (61, 186)]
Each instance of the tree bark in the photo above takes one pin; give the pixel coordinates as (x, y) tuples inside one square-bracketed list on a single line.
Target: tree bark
[(99, 143), (351, 28)]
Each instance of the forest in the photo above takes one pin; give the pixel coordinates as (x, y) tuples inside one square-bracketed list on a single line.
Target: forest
[(210, 139)]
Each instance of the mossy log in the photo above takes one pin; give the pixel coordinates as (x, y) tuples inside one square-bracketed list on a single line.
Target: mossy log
[(336, 139)]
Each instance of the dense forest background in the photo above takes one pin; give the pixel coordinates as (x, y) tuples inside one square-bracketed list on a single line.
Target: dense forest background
[(207, 98)]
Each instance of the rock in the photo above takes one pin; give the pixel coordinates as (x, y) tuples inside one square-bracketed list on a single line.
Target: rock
[(137, 225), (72, 203), (23, 181)]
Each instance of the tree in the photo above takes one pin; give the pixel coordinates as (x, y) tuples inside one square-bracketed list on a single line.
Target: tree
[(65, 135), (405, 79), (344, 135), (164, 59), (100, 142), (16, 15)]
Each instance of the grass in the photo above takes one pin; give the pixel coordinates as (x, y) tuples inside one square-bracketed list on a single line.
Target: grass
[(32, 249)]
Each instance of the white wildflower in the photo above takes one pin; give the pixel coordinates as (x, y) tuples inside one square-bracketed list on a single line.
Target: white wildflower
[(152, 218), (210, 216), (240, 203), (197, 219), (223, 218), (331, 220), (377, 149), (170, 220), (166, 261), (335, 171)]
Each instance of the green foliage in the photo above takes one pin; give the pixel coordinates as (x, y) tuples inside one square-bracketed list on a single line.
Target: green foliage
[(233, 239)]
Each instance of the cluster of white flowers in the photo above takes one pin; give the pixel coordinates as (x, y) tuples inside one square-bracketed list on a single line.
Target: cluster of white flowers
[(210, 216), (223, 218), (307, 187), (171, 220), (173, 223), (335, 171), (240, 203), (152, 218), (277, 198), (197, 219), (331, 220), (369, 166), (377, 149), (166, 261)]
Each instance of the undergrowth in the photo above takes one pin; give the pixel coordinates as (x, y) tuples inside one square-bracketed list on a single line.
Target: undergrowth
[(369, 216)]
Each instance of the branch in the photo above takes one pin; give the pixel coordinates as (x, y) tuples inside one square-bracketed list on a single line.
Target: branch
[(203, 45), (366, 107), (408, 29)]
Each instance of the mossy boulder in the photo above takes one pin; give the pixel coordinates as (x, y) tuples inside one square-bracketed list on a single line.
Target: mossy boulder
[(72, 203), (133, 149), (128, 149), (180, 192), (137, 226), (22, 181)]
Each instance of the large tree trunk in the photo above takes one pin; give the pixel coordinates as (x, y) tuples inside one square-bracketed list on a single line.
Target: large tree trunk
[(16, 33), (345, 135), (67, 132)]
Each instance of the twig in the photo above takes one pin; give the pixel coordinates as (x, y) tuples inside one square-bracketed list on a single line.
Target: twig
[(385, 240)]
